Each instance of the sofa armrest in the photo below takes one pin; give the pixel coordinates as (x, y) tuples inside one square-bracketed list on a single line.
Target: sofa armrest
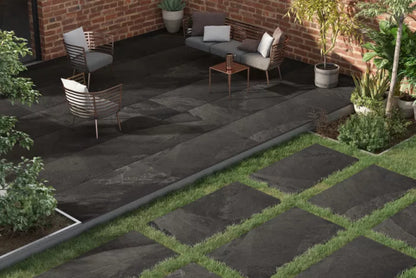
[(277, 53)]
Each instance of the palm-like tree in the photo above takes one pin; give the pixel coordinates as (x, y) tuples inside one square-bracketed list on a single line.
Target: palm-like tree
[(398, 10)]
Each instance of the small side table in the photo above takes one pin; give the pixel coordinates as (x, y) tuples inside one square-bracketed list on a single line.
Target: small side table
[(236, 67)]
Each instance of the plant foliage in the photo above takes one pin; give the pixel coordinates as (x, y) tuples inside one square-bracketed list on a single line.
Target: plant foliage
[(332, 18), (370, 89), (397, 10), (372, 131), (28, 201), (25, 201), (172, 5)]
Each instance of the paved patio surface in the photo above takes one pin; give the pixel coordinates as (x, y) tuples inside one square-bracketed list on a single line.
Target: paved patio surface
[(172, 126), (261, 251)]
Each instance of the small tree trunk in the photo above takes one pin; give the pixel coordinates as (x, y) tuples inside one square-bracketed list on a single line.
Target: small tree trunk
[(389, 106)]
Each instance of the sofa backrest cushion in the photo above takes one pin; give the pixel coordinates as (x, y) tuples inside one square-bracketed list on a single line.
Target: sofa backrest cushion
[(278, 36), (76, 37), (202, 19), (217, 33), (249, 45)]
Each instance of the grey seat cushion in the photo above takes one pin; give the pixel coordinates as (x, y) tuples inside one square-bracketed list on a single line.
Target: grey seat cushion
[(255, 60), (96, 60), (198, 43), (221, 49)]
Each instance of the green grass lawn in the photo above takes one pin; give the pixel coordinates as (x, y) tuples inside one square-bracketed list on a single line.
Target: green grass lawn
[(400, 159)]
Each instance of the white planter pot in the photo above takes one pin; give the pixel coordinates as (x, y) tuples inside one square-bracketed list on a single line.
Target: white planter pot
[(172, 20), (326, 78), (414, 109), (406, 108)]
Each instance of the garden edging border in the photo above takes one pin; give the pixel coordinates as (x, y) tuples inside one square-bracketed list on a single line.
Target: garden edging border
[(38, 245)]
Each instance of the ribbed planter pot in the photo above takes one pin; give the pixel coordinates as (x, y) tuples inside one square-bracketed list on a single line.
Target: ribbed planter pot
[(406, 108), (326, 78), (172, 20)]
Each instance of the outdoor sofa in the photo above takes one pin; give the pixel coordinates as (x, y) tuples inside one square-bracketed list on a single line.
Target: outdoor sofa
[(243, 41)]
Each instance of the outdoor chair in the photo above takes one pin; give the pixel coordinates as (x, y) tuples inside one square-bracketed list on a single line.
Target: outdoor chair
[(91, 105), (88, 51)]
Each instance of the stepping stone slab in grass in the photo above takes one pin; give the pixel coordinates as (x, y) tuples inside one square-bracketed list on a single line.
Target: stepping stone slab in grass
[(364, 192), (213, 213), (361, 258), (126, 256), (258, 253), (303, 169), (401, 226), (192, 271)]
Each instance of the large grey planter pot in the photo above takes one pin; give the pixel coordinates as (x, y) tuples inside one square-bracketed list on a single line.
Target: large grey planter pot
[(326, 78), (406, 108), (172, 20)]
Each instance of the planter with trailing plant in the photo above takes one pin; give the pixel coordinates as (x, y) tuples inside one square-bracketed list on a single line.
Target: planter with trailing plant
[(172, 13), (369, 94), (333, 21)]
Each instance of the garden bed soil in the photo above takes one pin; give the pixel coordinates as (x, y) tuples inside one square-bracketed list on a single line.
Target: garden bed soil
[(10, 241), (330, 130)]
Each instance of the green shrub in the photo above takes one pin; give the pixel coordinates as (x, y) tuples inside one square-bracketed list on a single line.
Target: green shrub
[(27, 201), (372, 131), (172, 5), (370, 89)]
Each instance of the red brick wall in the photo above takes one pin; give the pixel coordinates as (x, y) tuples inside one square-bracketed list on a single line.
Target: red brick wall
[(303, 38), (121, 18)]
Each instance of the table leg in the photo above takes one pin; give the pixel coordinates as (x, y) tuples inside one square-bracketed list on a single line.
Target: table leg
[(248, 79), (229, 85), (209, 78)]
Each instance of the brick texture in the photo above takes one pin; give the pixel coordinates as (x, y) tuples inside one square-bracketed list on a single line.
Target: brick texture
[(121, 18), (128, 18)]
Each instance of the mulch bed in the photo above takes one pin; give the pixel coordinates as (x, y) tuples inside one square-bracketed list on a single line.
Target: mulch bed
[(329, 129), (10, 241)]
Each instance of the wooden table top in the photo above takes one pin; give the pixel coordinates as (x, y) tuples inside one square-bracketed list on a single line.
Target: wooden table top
[(236, 67)]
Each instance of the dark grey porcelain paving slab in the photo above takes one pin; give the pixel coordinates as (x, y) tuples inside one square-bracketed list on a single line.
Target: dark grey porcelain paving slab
[(290, 89), (126, 256), (401, 225), (303, 169), (361, 258), (192, 271), (213, 213), (258, 253), (364, 192), (288, 115)]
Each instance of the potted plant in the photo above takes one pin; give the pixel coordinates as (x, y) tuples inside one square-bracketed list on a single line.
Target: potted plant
[(381, 51), (408, 71), (333, 21), (397, 12), (172, 13), (370, 91)]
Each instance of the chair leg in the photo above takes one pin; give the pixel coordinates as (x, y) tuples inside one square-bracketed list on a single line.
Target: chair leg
[(280, 74), (96, 128), (89, 78), (118, 121), (267, 77)]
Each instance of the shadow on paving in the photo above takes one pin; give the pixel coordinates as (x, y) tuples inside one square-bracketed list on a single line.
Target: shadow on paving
[(173, 127)]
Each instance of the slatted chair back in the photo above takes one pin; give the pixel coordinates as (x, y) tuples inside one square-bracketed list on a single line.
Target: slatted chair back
[(94, 105)]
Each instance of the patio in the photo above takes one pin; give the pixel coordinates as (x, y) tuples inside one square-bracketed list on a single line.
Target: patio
[(316, 206), (172, 127)]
